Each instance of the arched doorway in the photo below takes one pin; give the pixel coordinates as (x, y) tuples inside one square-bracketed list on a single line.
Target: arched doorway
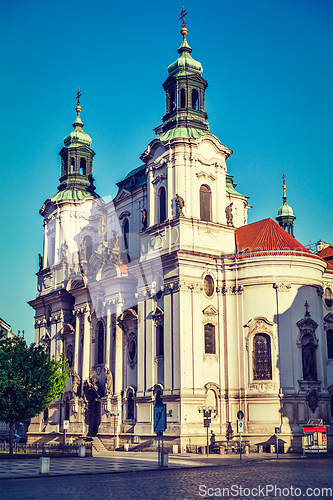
[(93, 412)]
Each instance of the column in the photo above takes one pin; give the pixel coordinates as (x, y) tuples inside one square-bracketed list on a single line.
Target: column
[(150, 197), (77, 340), (118, 375), (86, 347), (108, 337), (141, 348)]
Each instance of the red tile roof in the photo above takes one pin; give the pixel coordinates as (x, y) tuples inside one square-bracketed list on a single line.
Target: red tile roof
[(326, 253), (266, 235)]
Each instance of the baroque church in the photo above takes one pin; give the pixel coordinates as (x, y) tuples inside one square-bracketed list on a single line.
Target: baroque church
[(166, 294)]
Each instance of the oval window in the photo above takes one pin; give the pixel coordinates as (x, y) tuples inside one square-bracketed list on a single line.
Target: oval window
[(209, 286), (131, 349), (328, 297)]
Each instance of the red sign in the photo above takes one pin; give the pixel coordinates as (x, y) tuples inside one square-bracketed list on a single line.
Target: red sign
[(317, 428)]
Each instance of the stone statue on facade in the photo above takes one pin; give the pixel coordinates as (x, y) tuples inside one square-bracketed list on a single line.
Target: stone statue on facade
[(40, 262), (309, 360), (228, 214), (83, 250), (63, 251), (180, 203), (76, 381), (108, 382), (115, 250), (94, 382), (144, 219)]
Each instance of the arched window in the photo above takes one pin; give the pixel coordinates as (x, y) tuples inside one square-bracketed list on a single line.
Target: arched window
[(130, 406), (195, 99), (210, 339), (172, 100), (162, 205), (262, 363), (182, 98), (66, 409), (83, 166), (126, 233), (100, 343), (159, 340), (72, 165), (205, 203), (87, 248), (329, 337)]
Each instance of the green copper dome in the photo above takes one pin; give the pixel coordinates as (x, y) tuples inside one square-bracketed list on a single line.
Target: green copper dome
[(285, 216), (73, 194), (77, 137), (285, 211), (185, 63)]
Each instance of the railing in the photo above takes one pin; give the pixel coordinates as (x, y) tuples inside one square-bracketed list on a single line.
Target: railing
[(48, 449)]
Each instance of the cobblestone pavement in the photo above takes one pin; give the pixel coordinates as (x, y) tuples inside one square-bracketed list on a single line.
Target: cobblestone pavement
[(287, 478), (109, 462)]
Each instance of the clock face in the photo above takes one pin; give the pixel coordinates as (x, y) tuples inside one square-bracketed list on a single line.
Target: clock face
[(102, 226), (208, 286)]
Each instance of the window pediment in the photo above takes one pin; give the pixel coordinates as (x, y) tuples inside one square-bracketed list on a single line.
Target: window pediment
[(204, 175)]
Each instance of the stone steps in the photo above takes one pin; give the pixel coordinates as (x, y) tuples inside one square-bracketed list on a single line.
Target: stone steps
[(97, 444)]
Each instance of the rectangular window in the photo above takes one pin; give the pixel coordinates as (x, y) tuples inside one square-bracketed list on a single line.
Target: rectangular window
[(159, 340), (209, 339)]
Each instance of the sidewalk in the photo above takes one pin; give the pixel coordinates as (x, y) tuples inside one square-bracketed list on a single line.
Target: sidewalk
[(107, 462)]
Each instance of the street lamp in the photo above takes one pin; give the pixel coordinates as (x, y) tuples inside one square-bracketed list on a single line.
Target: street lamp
[(207, 416), (114, 414)]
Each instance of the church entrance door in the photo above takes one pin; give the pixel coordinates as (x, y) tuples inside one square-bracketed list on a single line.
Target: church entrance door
[(94, 413)]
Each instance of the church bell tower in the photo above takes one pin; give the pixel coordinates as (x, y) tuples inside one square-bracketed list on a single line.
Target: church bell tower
[(77, 161), (185, 92)]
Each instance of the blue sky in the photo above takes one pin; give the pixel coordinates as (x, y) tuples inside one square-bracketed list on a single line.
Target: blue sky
[(269, 66)]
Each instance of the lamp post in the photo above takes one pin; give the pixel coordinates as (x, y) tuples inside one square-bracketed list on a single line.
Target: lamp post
[(207, 414), (114, 414)]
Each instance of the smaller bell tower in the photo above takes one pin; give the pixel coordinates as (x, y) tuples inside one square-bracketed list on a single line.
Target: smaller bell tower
[(285, 216), (77, 158), (185, 91)]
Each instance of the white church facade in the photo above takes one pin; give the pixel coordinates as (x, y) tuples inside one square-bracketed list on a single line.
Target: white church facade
[(166, 294)]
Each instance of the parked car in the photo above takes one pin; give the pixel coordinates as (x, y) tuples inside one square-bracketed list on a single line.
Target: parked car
[(23, 439), (5, 439)]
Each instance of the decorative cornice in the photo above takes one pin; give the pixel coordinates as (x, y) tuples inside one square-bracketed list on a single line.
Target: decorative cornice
[(263, 387), (259, 325), (124, 214), (306, 326), (159, 178), (206, 176), (282, 287), (210, 358)]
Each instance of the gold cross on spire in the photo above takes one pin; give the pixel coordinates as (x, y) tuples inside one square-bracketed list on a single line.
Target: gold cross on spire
[(306, 305), (284, 178), (182, 16), (78, 95)]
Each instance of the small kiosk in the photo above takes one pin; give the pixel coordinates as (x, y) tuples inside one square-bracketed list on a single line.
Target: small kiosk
[(314, 437)]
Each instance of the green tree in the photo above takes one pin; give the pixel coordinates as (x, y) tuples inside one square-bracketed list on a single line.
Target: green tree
[(29, 381)]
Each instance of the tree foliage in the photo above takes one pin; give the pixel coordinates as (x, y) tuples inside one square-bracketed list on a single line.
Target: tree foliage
[(29, 379)]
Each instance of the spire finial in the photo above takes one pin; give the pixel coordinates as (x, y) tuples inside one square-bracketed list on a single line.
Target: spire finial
[(78, 108), (306, 305), (184, 30), (284, 187)]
